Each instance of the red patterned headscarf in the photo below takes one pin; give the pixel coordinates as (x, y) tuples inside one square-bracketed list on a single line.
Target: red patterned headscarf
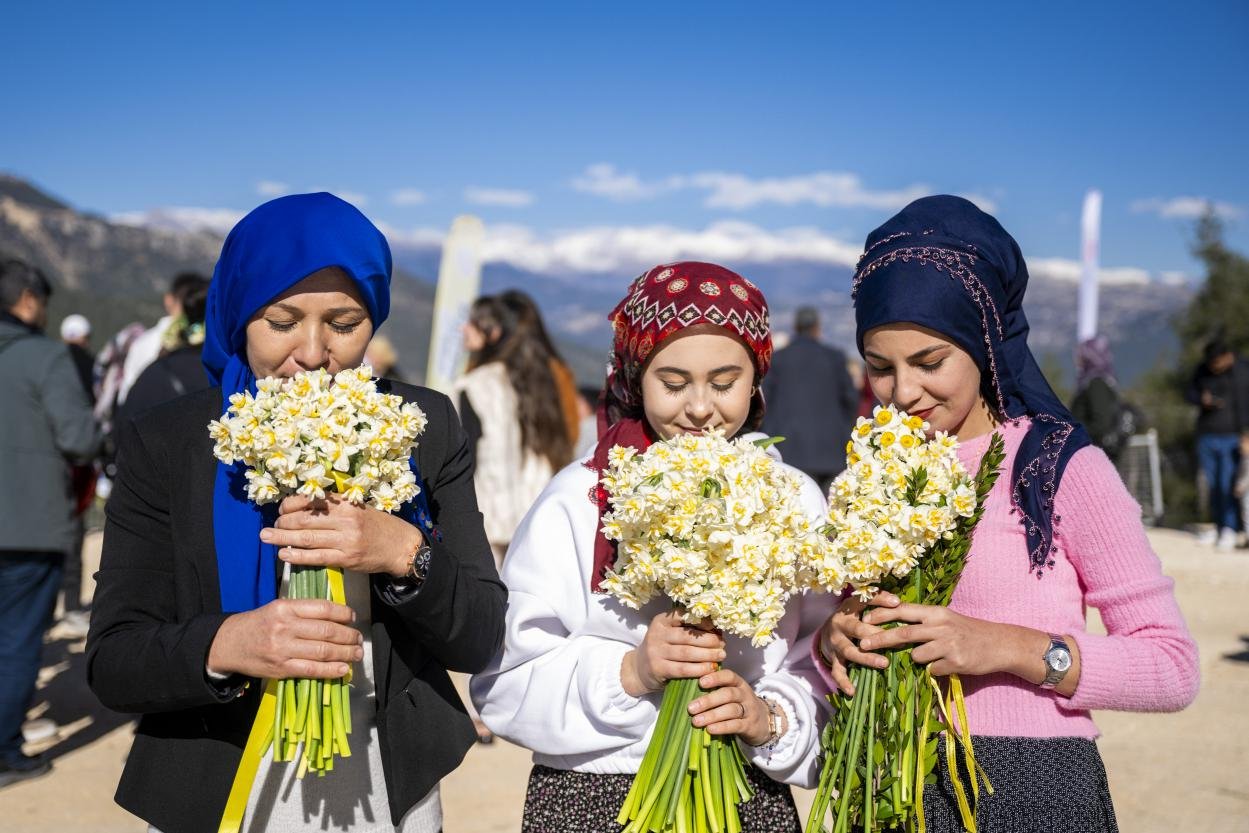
[(667, 299)]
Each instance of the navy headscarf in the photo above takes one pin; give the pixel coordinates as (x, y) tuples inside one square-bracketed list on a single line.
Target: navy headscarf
[(944, 264), (270, 250)]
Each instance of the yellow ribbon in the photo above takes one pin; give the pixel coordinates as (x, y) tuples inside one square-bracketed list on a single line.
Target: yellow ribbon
[(257, 743)]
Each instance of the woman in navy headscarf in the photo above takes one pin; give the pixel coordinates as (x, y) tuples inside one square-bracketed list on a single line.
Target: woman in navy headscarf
[(938, 304), (186, 619)]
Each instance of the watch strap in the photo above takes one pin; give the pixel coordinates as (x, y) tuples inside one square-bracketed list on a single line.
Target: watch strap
[(1053, 674)]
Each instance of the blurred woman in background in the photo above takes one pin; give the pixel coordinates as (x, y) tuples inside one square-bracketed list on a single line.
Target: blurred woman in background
[(509, 404)]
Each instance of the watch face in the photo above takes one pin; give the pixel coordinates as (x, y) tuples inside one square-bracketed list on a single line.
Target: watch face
[(1058, 659)]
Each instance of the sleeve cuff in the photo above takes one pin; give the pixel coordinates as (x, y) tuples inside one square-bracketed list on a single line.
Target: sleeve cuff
[(602, 691)]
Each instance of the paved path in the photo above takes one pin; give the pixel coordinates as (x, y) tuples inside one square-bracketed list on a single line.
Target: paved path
[(1186, 771)]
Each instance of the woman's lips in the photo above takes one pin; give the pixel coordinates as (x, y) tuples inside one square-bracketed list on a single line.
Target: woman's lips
[(924, 414)]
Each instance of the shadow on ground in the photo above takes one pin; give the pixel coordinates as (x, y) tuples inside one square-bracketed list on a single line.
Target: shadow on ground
[(63, 697), (1243, 654)]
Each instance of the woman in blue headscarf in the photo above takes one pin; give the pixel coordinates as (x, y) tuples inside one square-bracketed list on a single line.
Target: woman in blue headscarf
[(187, 621), (938, 305)]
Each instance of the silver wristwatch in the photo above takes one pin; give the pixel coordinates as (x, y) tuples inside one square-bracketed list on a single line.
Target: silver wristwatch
[(1057, 661)]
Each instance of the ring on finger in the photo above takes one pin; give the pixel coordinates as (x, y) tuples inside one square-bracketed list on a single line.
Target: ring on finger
[(742, 706)]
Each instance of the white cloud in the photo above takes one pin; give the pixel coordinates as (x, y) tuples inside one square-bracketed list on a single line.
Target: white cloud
[(612, 248), (417, 238), (604, 180), (269, 188), (1064, 269), (408, 196), (215, 220), (497, 196), (1185, 208), (826, 189)]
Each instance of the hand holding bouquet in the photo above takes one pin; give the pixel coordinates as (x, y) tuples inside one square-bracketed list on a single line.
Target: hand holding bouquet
[(718, 527), (901, 518), (313, 434)]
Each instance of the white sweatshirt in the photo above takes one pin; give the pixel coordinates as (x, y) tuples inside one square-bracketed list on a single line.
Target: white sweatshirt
[(555, 687)]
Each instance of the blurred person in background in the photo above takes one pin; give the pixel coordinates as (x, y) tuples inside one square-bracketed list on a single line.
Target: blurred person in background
[(529, 321), (45, 425), (179, 370), (76, 333), (1220, 389), (510, 407), (1098, 404), (147, 348), (382, 357), (812, 401)]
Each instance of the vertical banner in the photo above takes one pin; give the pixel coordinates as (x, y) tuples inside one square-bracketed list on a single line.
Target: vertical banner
[(1090, 228), (459, 281)]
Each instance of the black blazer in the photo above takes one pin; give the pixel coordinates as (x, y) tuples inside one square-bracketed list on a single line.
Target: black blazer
[(157, 609), (812, 402)]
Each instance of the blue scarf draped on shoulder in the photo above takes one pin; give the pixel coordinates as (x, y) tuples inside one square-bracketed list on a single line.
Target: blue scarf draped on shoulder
[(270, 250), (944, 264)]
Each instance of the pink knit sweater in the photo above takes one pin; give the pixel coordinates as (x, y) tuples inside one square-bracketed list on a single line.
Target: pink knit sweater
[(1146, 662)]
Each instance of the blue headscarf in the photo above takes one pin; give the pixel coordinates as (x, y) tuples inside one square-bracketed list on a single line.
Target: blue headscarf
[(270, 250), (944, 264)]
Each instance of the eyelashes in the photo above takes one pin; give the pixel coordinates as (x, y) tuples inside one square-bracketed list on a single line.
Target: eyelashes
[(676, 390), (288, 326), (930, 367)]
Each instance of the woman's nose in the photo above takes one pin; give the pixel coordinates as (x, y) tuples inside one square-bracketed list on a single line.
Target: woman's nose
[(312, 351), (906, 389), (698, 406)]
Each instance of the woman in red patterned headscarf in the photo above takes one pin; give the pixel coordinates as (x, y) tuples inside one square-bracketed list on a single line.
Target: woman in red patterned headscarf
[(579, 678)]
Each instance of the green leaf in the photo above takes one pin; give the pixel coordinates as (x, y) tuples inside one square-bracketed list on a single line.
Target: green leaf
[(768, 442)]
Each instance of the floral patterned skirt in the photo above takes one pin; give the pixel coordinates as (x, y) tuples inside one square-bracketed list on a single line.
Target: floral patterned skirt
[(1040, 785), (564, 801)]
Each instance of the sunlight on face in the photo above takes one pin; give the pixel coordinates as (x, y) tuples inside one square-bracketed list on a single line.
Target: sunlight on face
[(922, 372), (699, 378), (319, 322)]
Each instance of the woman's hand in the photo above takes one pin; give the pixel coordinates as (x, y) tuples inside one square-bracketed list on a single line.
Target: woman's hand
[(287, 638), (951, 643), (671, 650), (732, 708), (838, 636), (337, 533)]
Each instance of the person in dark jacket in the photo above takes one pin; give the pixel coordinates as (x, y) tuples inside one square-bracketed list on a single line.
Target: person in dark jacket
[(45, 426), (812, 401), (186, 622), (179, 370), (1220, 389)]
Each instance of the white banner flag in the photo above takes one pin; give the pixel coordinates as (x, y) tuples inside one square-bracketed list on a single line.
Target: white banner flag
[(459, 281), (1090, 227)]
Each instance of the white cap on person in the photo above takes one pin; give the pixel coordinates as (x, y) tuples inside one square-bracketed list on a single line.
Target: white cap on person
[(75, 326)]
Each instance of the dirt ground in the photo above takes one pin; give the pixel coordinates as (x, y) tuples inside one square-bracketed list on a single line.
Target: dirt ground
[(1186, 771)]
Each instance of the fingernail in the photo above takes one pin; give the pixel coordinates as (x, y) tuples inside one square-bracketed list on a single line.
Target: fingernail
[(721, 654), (692, 707), (266, 535), (882, 663), (865, 644), (359, 654)]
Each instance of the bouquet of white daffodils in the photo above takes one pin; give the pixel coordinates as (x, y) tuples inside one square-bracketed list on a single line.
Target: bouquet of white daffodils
[(312, 434), (717, 526), (901, 518)]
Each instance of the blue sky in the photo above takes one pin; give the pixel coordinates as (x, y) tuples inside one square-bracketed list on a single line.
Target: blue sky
[(583, 134)]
